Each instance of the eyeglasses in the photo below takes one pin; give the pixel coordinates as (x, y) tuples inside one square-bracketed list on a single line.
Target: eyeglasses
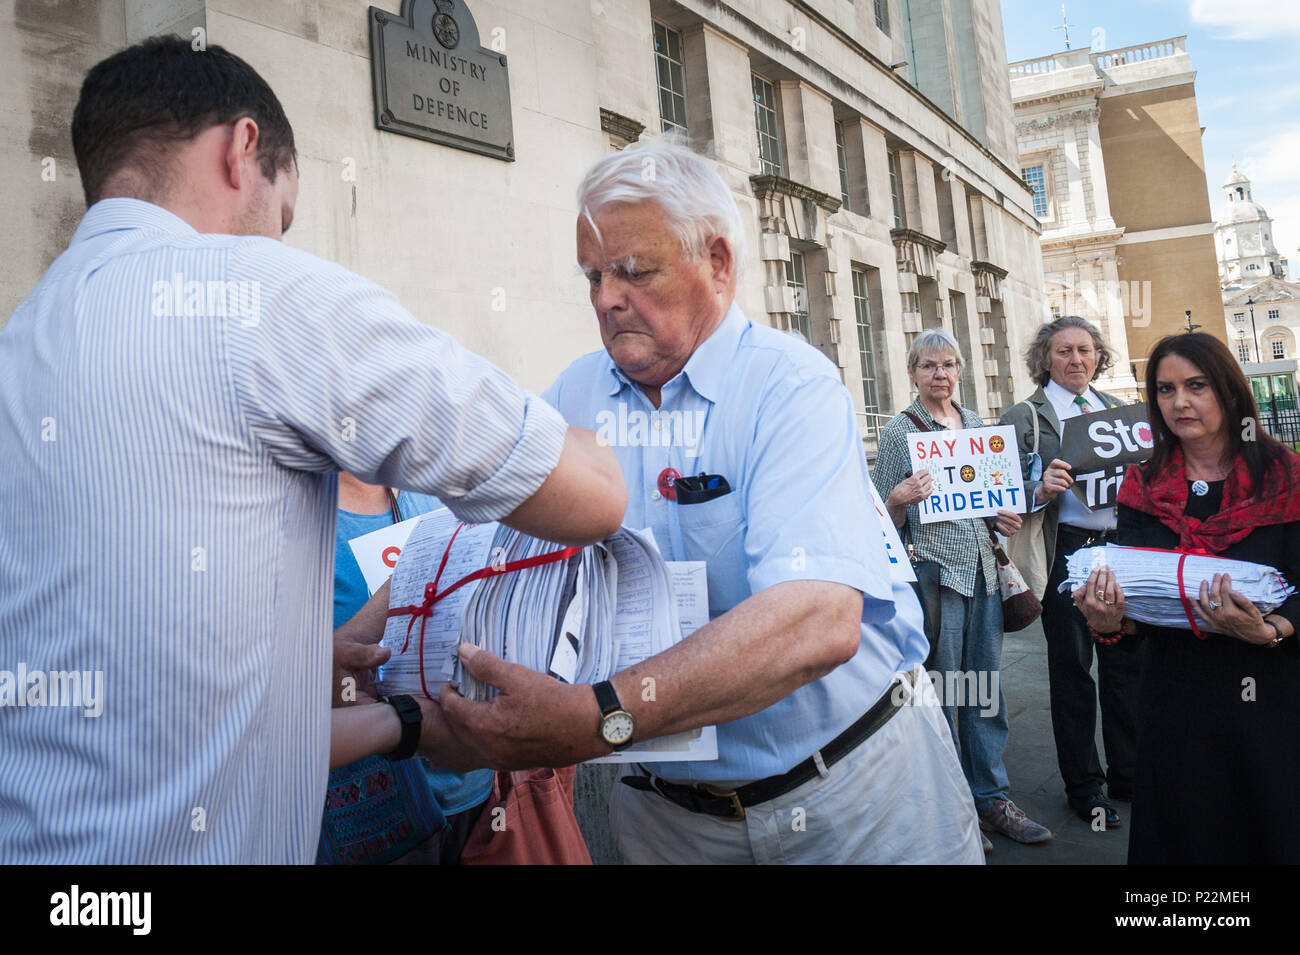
[(928, 368)]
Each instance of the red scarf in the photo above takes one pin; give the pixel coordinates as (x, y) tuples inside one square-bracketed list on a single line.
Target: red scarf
[(1164, 496)]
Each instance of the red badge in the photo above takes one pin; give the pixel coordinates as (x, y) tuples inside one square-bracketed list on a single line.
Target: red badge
[(666, 478)]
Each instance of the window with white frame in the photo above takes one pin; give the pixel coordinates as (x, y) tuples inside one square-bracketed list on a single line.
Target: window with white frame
[(1037, 182), (796, 278), (1279, 348), (866, 341), (672, 78), (1239, 318), (844, 165), (1273, 314), (895, 193), (769, 142), (1243, 351), (882, 16)]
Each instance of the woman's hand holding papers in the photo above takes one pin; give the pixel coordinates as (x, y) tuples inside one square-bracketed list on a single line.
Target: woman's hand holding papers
[(357, 652), (1101, 601), (1229, 612)]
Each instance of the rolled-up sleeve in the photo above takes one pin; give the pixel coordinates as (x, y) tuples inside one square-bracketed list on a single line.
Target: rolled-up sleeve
[(330, 372)]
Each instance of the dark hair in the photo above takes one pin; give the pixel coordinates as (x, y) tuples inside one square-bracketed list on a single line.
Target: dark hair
[(140, 100), (1240, 414), (1038, 354)]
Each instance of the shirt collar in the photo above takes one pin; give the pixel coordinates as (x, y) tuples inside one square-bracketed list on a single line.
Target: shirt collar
[(1062, 397), (707, 367), (121, 213)]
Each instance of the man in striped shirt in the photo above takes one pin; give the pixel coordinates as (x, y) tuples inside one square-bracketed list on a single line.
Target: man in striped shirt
[(179, 394)]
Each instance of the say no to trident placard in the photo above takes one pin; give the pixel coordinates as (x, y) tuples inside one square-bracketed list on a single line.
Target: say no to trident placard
[(976, 472)]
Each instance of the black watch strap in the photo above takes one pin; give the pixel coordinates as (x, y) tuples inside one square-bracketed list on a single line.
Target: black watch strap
[(606, 698), (408, 711)]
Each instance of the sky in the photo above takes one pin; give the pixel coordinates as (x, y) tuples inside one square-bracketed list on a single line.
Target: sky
[(1247, 84)]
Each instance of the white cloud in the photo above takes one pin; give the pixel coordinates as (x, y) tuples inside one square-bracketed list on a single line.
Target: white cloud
[(1246, 19)]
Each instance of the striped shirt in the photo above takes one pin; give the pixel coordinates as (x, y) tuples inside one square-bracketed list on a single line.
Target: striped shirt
[(174, 409), (959, 547)]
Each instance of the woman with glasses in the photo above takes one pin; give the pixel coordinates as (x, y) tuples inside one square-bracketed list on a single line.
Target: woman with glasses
[(957, 583)]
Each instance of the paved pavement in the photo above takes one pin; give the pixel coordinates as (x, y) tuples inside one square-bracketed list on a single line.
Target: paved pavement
[(1031, 765)]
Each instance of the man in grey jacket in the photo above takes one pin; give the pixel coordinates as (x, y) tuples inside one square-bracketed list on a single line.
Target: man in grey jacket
[(1065, 358)]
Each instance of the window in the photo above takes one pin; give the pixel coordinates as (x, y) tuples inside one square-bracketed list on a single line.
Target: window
[(672, 79), (769, 145), (1273, 314), (1056, 312), (1034, 176), (1239, 317), (844, 165), (866, 343), (1279, 348), (882, 15), (900, 220), (1243, 351), (1252, 267), (795, 278)]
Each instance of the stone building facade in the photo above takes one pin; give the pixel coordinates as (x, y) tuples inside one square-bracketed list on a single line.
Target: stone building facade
[(1110, 143), (870, 146)]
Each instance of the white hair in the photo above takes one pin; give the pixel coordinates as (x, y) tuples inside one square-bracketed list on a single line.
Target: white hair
[(932, 340), (685, 185)]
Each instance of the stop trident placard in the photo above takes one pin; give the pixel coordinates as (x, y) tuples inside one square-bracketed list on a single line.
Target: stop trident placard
[(976, 472)]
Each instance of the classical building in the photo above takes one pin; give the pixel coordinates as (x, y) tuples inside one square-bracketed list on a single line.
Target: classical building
[(1261, 308), (870, 145), (1243, 238), (1110, 143)]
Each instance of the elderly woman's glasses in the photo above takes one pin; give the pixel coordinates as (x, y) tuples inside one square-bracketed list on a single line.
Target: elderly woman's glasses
[(928, 368)]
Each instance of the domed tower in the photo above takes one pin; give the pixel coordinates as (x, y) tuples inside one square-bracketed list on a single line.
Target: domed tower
[(1243, 238)]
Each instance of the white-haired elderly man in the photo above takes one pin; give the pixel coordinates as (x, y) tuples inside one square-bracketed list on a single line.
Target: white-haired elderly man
[(810, 656)]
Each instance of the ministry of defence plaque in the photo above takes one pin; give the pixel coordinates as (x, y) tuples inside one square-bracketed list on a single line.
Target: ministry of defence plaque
[(433, 81)]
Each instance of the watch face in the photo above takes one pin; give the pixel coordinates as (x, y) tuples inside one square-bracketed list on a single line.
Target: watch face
[(617, 727)]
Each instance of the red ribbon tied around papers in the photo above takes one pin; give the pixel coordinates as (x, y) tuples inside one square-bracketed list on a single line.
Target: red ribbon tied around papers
[(1182, 589), (432, 595)]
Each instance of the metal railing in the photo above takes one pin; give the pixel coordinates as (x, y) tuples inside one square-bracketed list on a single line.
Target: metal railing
[(1281, 418)]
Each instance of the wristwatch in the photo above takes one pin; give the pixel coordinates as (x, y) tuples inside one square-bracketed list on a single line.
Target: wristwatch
[(616, 724), (408, 711)]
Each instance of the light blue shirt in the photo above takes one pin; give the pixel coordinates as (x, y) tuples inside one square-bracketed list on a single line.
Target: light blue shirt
[(770, 414), (174, 409)]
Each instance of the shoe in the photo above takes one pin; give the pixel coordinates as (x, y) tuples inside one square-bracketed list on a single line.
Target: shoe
[(1005, 817), (988, 843), (1083, 808)]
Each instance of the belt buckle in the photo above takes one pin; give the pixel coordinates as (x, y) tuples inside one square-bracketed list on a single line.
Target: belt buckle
[(736, 807)]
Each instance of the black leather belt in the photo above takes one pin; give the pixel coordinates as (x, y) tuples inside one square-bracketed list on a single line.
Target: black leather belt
[(731, 805)]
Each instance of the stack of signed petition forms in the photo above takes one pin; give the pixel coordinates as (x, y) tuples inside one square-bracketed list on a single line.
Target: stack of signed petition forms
[(579, 614), (1150, 580)]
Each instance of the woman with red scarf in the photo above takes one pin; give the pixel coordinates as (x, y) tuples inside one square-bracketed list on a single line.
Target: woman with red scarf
[(1218, 765)]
